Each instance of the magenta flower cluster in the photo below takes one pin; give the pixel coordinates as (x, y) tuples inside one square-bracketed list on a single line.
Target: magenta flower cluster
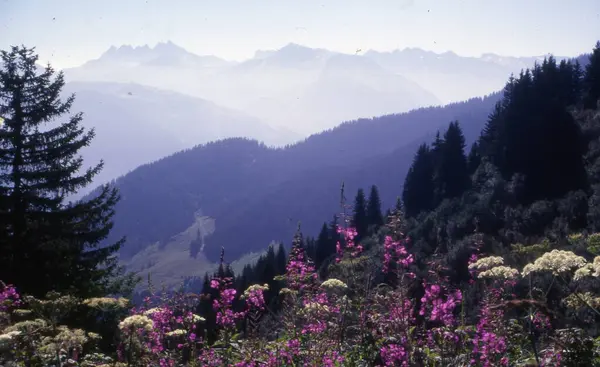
[(8, 297), (348, 235), (226, 317), (395, 252)]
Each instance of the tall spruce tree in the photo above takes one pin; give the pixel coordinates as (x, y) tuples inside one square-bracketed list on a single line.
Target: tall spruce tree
[(374, 216), (436, 161), (47, 243), (325, 250), (281, 261), (418, 191), (399, 207), (452, 170), (359, 217), (270, 269)]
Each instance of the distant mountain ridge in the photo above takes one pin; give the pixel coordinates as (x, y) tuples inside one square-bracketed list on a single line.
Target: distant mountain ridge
[(164, 53), (452, 77), (255, 195), (307, 90), (137, 124), (274, 87)]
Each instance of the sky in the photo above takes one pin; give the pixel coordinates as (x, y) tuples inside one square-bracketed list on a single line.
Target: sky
[(68, 33)]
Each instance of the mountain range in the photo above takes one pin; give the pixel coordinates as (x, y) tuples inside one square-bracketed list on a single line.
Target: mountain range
[(148, 102), (308, 90), (136, 124)]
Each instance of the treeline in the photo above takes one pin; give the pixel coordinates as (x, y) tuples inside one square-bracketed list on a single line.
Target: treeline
[(438, 172), (366, 217), (258, 194)]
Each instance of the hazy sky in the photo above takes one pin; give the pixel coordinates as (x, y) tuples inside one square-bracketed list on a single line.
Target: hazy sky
[(70, 32)]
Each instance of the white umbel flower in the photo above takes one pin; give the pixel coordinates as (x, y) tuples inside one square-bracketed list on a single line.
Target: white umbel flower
[(555, 261), (333, 283), (316, 307), (487, 263), (500, 272), (588, 270), (177, 332), (137, 321), (255, 288), (153, 311)]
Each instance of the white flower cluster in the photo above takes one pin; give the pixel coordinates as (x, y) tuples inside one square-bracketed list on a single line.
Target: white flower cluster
[(555, 261), (152, 311), (195, 318), (254, 288), (27, 326), (487, 263), (500, 272), (588, 270), (106, 302), (136, 321), (315, 306), (333, 283), (177, 332), (8, 337)]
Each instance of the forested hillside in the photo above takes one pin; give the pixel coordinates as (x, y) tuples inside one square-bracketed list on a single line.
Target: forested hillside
[(258, 195), (531, 174)]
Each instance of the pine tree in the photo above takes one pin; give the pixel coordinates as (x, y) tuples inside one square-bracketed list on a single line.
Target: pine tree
[(359, 218), (269, 270), (310, 247), (333, 228), (281, 261), (418, 191), (436, 160), (46, 243), (591, 80), (374, 217), (325, 250), (399, 207), (242, 282), (474, 158), (452, 170), (334, 236)]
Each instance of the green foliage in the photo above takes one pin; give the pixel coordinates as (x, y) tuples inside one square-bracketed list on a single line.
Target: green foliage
[(47, 243), (451, 173), (35, 330), (374, 216), (418, 191), (522, 188), (532, 119)]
